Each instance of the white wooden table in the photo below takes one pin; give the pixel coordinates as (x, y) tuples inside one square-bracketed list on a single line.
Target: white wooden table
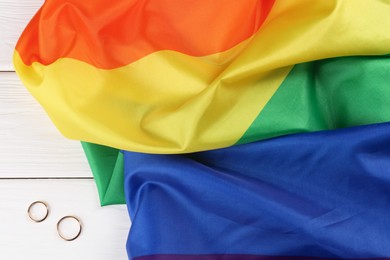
[(37, 163)]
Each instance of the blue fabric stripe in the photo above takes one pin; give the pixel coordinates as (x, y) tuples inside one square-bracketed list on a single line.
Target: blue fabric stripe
[(323, 194)]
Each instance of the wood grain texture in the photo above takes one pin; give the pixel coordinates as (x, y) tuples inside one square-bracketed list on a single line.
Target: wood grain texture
[(104, 229), (14, 16), (30, 145)]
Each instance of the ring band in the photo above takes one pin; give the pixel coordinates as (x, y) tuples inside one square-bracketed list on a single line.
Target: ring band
[(59, 231), (30, 207)]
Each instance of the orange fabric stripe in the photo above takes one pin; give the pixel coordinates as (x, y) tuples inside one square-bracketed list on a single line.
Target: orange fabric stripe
[(111, 34)]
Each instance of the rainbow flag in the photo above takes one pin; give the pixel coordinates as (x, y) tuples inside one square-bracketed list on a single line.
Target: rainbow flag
[(183, 76), (255, 129)]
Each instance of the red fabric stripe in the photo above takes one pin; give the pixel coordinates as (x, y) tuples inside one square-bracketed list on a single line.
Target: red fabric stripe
[(110, 34)]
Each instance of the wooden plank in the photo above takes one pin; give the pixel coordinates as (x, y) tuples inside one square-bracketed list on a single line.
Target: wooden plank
[(30, 145), (14, 16), (104, 230)]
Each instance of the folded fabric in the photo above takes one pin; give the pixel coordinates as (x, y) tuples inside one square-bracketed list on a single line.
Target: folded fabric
[(325, 94), (181, 76), (107, 167), (322, 195)]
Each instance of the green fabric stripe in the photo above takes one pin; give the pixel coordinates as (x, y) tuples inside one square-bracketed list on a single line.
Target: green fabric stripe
[(326, 94), (107, 167)]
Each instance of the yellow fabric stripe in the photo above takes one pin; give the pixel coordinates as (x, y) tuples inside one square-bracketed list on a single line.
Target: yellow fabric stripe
[(305, 30), (168, 102), (149, 105)]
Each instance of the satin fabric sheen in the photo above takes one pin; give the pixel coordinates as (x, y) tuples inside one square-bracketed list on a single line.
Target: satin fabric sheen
[(320, 95), (323, 194), (149, 76)]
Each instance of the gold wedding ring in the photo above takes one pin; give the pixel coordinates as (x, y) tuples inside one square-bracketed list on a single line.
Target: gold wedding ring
[(60, 232), (31, 216)]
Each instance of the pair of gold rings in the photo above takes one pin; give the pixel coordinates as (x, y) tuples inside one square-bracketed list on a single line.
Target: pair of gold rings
[(46, 213)]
